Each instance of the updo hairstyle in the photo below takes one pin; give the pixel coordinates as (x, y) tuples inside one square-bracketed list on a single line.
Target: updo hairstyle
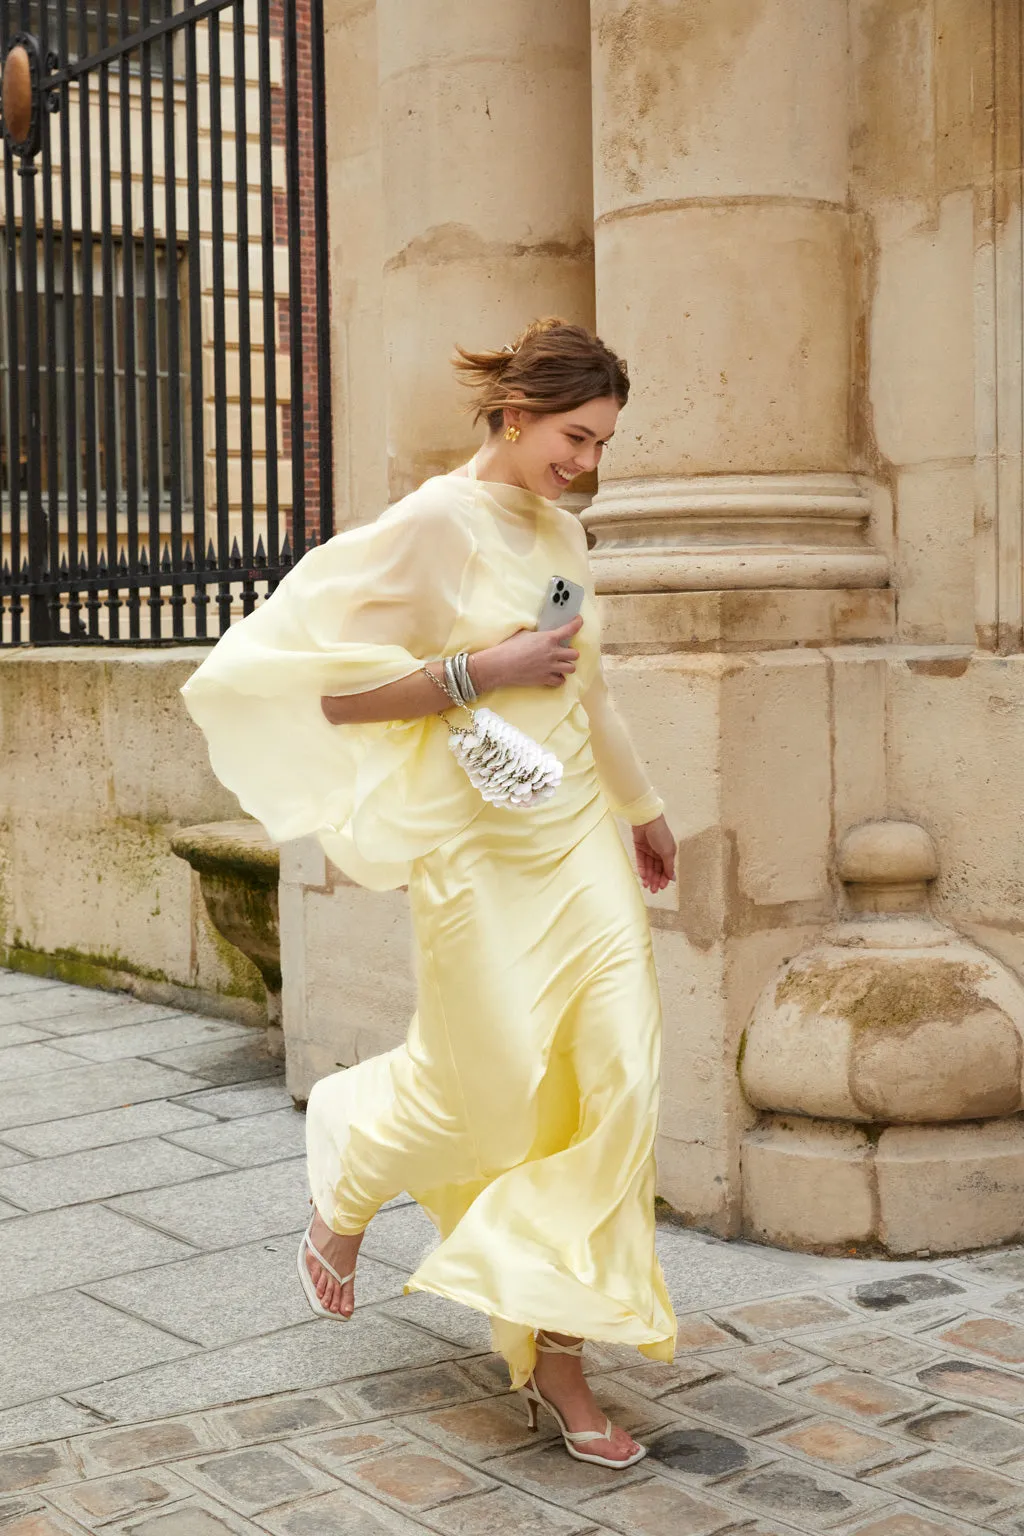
[(552, 367)]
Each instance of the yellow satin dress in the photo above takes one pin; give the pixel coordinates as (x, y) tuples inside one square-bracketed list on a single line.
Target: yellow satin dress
[(521, 1111)]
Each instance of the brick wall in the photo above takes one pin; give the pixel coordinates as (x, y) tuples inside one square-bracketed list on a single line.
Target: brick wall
[(307, 275)]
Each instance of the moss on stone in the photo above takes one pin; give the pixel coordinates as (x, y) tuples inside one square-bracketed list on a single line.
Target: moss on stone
[(75, 966), (873, 992), (242, 976)]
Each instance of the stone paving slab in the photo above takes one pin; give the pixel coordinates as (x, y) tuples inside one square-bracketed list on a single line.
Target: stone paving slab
[(270, 1418), (20, 1034), (220, 1062), (196, 1516), (659, 1508), (255, 1478), (104, 1499), (344, 1513), (177, 1385), (227, 1209), (125, 1450), (45, 1253), (47, 1184), (975, 1436), (55, 1001), (310, 1355), (163, 1034), (250, 1140), (442, 1317), (403, 1236), (44, 1419), (249, 1098), (13, 983), (82, 1090), (110, 1127), (507, 1512), (221, 1298), (699, 1273), (18, 1061), (112, 1012), (952, 1488), (95, 1342)]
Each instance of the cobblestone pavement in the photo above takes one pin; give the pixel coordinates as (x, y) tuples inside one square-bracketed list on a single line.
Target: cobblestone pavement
[(160, 1374)]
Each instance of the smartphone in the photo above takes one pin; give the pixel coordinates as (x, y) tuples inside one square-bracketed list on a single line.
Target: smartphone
[(563, 602)]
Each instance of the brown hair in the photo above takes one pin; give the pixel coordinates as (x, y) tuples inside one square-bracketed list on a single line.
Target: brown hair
[(551, 367)]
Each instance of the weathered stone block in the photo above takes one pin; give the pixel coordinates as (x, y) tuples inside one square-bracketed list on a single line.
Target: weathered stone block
[(950, 1188), (807, 1184)]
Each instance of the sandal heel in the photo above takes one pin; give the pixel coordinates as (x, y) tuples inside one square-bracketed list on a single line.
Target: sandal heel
[(531, 1414)]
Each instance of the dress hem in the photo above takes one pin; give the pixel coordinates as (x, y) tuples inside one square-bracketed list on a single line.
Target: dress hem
[(656, 1341)]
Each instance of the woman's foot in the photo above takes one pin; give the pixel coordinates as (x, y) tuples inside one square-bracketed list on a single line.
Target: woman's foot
[(560, 1379), (340, 1252)]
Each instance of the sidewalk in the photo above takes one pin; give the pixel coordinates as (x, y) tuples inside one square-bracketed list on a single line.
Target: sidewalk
[(160, 1373)]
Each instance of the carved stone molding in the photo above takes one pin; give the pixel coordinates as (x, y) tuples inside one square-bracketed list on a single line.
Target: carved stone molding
[(716, 532)]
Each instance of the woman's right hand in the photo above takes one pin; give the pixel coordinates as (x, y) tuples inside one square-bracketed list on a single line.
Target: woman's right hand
[(528, 659)]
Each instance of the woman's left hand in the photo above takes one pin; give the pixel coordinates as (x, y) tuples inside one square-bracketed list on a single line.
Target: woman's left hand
[(655, 849)]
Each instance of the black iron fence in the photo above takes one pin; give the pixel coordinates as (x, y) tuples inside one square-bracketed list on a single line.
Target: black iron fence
[(165, 430)]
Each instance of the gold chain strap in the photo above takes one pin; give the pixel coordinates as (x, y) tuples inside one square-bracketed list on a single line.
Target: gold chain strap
[(453, 701)]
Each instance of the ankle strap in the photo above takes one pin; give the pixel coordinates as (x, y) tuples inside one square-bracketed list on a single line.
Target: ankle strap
[(552, 1347)]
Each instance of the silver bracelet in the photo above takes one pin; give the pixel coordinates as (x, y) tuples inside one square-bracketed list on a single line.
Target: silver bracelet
[(451, 681), (466, 685)]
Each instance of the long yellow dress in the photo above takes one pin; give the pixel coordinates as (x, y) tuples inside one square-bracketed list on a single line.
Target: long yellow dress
[(521, 1111)]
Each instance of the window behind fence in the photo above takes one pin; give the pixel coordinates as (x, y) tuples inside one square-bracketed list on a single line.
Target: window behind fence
[(165, 435)]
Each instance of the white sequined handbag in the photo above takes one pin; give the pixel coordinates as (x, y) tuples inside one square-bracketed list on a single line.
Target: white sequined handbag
[(502, 762)]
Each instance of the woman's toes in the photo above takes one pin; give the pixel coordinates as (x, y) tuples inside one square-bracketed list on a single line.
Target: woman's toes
[(623, 1445)]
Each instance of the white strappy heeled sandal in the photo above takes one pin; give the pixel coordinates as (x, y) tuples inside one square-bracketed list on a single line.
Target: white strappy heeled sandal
[(573, 1438), (306, 1279)]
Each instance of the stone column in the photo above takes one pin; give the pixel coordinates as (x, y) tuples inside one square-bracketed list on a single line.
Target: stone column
[(487, 198), (721, 148), (354, 172)]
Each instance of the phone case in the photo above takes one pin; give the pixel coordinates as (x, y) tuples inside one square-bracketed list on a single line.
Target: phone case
[(563, 602)]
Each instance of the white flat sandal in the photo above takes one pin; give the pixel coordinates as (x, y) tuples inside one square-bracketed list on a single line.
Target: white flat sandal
[(573, 1438), (306, 1279)]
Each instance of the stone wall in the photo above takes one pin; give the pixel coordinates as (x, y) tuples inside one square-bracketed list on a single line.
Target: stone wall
[(808, 539), (99, 765)]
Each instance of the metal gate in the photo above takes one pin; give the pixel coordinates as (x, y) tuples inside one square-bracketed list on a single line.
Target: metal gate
[(165, 430)]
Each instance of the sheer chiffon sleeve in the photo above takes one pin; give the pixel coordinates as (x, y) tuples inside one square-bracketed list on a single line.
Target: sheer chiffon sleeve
[(365, 609), (622, 775)]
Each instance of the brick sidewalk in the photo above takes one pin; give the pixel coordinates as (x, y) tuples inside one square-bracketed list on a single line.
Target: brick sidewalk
[(161, 1375)]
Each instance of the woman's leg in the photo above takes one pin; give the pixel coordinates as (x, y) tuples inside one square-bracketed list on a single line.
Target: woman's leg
[(373, 1131), (560, 1379)]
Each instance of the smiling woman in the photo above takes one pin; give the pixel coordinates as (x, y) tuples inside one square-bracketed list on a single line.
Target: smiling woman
[(555, 393), (522, 1110)]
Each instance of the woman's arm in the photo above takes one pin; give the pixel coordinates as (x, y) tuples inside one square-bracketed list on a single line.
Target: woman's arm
[(629, 789), (529, 659)]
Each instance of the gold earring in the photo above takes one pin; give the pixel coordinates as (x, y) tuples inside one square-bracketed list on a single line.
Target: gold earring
[(511, 434)]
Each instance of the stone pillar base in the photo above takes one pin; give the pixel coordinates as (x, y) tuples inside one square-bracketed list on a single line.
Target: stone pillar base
[(910, 1191), (720, 532)]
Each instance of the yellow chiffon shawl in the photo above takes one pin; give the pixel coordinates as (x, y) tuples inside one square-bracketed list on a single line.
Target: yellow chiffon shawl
[(457, 565)]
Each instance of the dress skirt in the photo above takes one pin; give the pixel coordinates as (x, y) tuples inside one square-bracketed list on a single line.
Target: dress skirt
[(521, 1111)]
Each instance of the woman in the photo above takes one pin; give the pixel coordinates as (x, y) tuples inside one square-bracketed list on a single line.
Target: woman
[(521, 1111)]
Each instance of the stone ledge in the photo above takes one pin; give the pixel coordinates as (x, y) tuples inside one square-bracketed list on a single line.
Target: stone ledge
[(220, 847), (658, 623)]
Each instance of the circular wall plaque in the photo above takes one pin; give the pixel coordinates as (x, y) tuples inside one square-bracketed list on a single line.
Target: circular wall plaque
[(19, 95)]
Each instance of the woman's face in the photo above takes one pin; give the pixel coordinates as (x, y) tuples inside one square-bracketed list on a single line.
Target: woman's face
[(553, 450)]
